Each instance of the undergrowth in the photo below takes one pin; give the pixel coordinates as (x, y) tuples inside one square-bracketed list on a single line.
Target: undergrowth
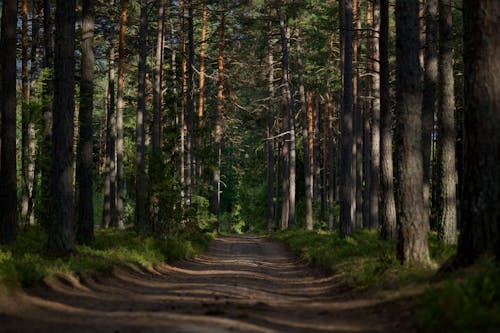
[(27, 262), (464, 301)]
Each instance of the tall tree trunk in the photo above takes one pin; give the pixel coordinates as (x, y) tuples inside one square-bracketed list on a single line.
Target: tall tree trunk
[(46, 141), (61, 236), (201, 87), (120, 176), (141, 220), (26, 160), (447, 231), (308, 177), (480, 193), (157, 86), (182, 123), (348, 170), (109, 211), (412, 246), (290, 117), (218, 121), (8, 181), (387, 203), (358, 117), (310, 142), (429, 94), (269, 130), (85, 162), (375, 123), (367, 117), (190, 104)]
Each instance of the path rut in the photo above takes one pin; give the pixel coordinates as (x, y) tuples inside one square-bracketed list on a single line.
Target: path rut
[(242, 284)]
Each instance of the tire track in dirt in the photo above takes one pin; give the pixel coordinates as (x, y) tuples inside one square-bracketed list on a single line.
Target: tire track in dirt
[(242, 284)]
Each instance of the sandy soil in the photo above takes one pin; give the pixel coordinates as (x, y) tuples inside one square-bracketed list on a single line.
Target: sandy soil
[(242, 284)]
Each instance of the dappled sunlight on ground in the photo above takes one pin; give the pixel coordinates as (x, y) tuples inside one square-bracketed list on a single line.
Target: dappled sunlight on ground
[(242, 284)]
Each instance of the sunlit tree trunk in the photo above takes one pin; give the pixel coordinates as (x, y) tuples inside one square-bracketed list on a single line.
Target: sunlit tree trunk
[(218, 121), (201, 87), (8, 181), (387, 203), (157, 86), (61, 235), (190, 104), (308, 177), (141, 220), (447, 216), (480, 193), (367, 116), (85, 162), (347, 170), (269, 130), (412, 246), (120, 176)]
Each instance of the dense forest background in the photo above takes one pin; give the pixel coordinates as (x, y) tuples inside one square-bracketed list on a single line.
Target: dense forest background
[(179, 118)]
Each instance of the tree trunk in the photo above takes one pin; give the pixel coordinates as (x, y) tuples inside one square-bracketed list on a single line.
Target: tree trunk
[(190, 104), (8, 181), (480, 193), (447, 230), (387, 203), (290, 118), (182, 125), (308, 177), (61, 234), (120, 176), (201, 87), (141, 220), (358, 117), (429, 94), (348, 171), (412, 245), (109, 211), (157, 86), (46, 141), (269, 131), (85, 163), (367, 117), (218, 122), (375, 121)]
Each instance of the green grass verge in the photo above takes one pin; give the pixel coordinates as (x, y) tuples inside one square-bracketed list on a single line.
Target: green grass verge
[(465, 301), (27, 262)]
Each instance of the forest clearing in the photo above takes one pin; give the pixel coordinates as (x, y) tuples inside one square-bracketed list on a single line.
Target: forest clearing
[(250, 166)]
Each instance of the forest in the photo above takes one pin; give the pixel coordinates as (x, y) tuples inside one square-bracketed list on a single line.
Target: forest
[(250, 165)]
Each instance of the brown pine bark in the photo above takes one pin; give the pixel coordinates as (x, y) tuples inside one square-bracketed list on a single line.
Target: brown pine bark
[(190, 105), (61, 235), (387, 202), (269, 130), (182, 124), (447, 216), (85, 163), (201, 86), (358, 117), (367, 116), (120, 176), (375, 121), (141, 217), (429, 94), (412, 245), (480, 193), (347, 170), (157, 85), (8, 181)]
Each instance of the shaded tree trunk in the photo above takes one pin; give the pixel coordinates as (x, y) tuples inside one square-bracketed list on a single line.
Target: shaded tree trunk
[(85, 163), (412, 245), (367, 117), (182, 124), (480, 192), (429, 94), (141, 217), (447, 216), (190, 104), (358, 117), (347, 171), (61, 236), (387, 202), (120, 176), (201, 87), (157, 86), (8, 181)]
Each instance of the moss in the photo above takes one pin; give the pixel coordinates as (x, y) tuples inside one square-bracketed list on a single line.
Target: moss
[(27, 262)]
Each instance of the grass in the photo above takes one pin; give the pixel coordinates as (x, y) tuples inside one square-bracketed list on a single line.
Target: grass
[(464, 301), (27, 262)]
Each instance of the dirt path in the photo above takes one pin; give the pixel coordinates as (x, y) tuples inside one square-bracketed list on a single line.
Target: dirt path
[(242, 284)]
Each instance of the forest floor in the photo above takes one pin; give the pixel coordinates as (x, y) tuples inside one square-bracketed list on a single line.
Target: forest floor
[(241, 284)]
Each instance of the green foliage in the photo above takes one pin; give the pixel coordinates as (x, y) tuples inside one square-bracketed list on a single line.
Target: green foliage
[(233, 222), (28, 262), (469, 301)]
